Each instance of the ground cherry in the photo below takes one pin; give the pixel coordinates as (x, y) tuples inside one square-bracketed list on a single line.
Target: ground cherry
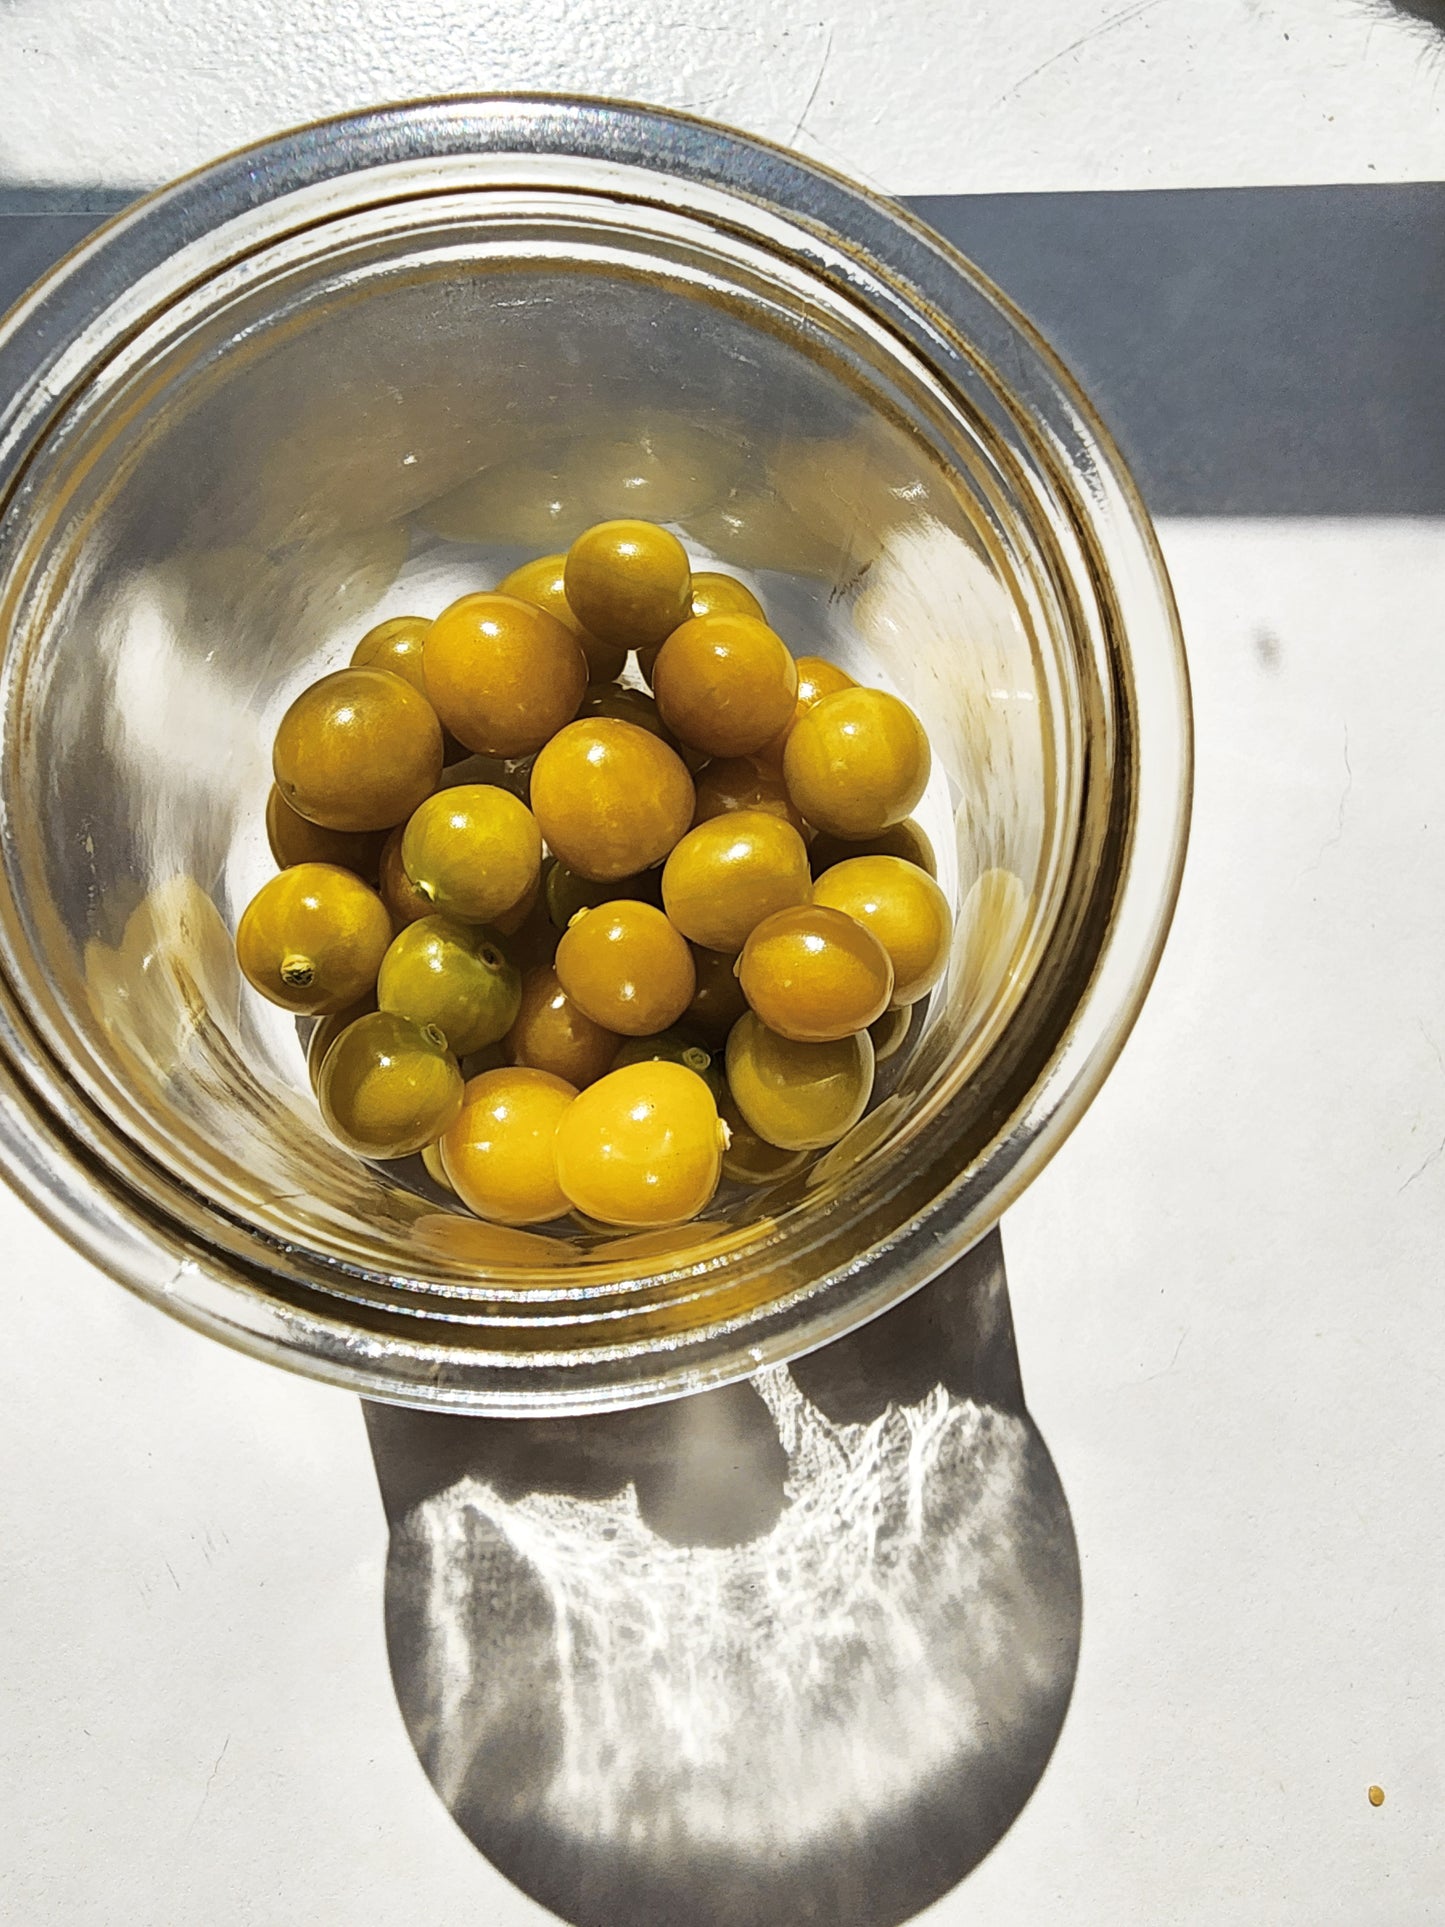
[(626, 967), (725, 684), (815, 975), (502, 674), (396, 645), (312, 939), (295, 840), (453, 976), (642, 1146), (612, 799), (729, 873), (715, 594), (400, 895), (551, 1034), (358, 750), (856, 762), (501, 1153), (905, 910), (800, 1097), (473, 852), (629, 582), (388, 1087)]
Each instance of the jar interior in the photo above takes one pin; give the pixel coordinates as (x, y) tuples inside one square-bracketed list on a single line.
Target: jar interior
[(379, 412)]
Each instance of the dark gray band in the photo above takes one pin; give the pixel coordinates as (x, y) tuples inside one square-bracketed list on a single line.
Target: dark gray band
[(1257, 351)]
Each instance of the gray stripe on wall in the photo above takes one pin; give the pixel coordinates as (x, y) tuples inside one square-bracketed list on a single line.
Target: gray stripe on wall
[(1257, 351)]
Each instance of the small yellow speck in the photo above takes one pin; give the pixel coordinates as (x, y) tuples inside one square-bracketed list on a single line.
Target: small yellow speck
[(1377, 1796)]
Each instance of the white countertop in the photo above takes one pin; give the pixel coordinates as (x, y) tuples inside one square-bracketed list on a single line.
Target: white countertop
[(1226, 1287)]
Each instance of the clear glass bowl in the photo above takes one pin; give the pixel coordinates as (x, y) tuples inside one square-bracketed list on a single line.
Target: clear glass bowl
[(375, 362)]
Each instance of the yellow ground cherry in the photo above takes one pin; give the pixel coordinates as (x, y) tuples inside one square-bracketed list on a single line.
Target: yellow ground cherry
[(857, 762), (905, 910), (626, 967), (814, 975), (642, 1146), (503, 674), (501, 1153)]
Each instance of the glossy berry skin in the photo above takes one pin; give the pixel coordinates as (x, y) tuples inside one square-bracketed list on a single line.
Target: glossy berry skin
[(501, 1153), (905, 910), (857, 762), (388, 1087), (566, 893), (396, 645), (551, 1034), (431, 1157), (677, 1045), (358, 751), (725, 684), (510, 922), (293, 840), (733, 783), (312, 939), (502, 674), (452, 976), (328, 1030), (750, 1159), (629, 582), (712, 595), (908, 840), (729, 873), (628, 705), (541, 582), (473, 851), (642, 1146), (715, 594), (890, 1032), (626, 967), (718, 1001), (800, 1097), (817, 678), (612, 799), (400, 895), (814, 975)]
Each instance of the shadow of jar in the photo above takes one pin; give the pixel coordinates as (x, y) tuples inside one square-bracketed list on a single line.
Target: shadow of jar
[(794, 1651)]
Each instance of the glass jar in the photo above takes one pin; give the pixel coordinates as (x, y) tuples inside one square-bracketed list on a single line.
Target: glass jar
[(375, 362)]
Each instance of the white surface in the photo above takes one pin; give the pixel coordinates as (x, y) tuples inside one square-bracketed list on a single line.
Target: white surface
[(1227, 1297), (920, 96), (1226, 1287)]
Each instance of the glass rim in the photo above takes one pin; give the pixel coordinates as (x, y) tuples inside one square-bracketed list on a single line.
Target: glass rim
[(42, 348)]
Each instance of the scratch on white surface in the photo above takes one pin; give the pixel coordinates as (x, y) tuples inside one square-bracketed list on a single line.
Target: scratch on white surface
[(1174, 1360), (1334, 839), (210, 1782), (1423, 1166), (1344, 794), (817, 83), (1121, 19), (1439, 1151)]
